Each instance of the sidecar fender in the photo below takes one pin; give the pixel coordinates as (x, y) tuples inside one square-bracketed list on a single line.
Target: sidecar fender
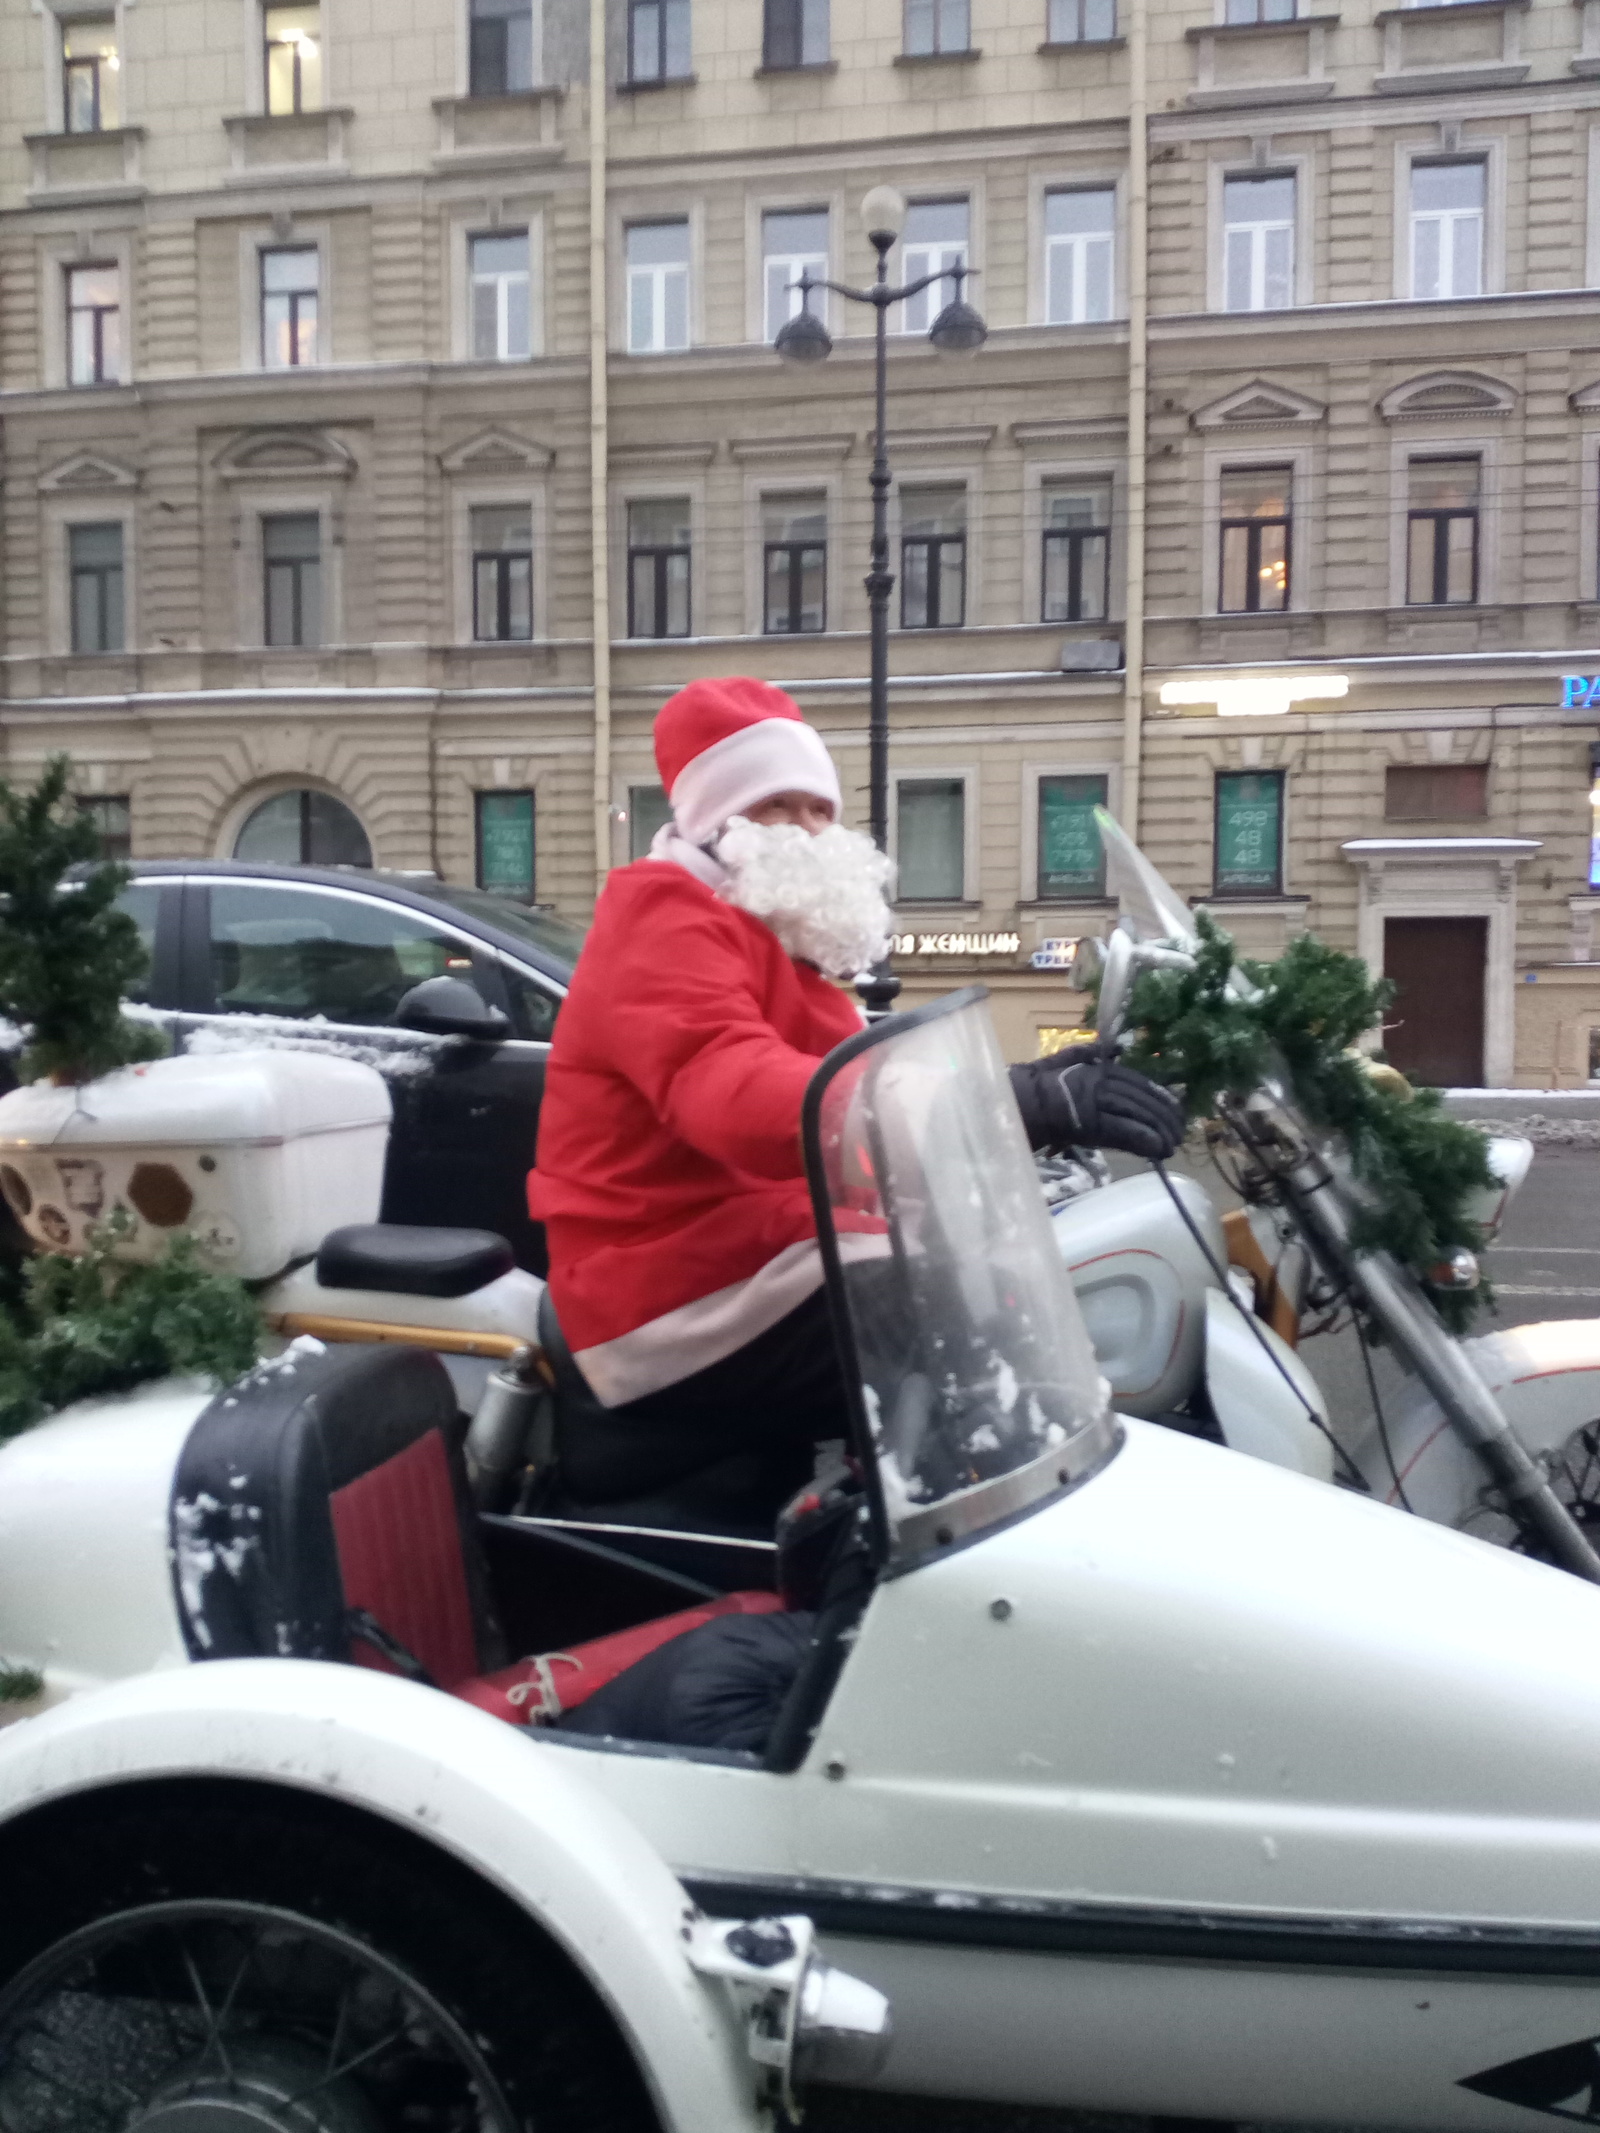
[(1263, 1396), (517, 1813), (1546, 1378)]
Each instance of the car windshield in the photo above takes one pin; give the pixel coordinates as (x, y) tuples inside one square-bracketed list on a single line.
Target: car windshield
[(554, 936), (979, 1390)]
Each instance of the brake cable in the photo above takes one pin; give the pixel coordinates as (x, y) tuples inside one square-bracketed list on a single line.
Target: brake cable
[(1356, 1478)]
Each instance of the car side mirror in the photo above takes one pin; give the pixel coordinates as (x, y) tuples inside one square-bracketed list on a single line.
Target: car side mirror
[(449, 1007)]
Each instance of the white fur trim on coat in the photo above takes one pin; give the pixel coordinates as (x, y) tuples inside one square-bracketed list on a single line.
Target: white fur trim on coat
[(747, 767)]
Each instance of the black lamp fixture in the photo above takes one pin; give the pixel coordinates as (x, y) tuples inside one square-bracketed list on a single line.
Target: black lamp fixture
[(804, 338)]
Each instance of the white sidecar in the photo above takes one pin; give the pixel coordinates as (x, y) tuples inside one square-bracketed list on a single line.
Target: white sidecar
[(1135, 1773)]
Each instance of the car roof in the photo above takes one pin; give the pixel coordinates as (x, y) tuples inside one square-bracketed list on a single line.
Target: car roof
[(408, 889)]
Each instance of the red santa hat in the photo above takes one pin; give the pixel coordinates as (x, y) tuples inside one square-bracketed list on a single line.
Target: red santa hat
[(724, 745)]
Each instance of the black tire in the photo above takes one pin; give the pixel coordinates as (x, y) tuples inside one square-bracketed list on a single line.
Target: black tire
[(555, 2059)]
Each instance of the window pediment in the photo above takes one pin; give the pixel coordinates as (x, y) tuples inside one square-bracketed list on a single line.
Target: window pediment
[(496, 452), (284, 455), (1586, 400), (1259, 405), (1446, 392), (88, 471)]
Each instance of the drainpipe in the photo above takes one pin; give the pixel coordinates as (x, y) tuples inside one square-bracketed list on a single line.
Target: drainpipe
[(1138, 409), (599, 445)]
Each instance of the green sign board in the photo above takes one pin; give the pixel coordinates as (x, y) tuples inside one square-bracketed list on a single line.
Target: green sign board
[(648, 809), (505, 844), (1250, 832), (1071, 860)]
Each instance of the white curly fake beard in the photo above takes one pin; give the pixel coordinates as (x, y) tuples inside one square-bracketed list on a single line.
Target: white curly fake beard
[(822, 896)]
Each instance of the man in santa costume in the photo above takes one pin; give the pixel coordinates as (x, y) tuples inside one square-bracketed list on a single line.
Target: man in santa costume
[(683, 1259)]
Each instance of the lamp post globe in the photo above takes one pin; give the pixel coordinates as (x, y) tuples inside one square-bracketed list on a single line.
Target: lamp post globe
[(883, 215), (803, 339)]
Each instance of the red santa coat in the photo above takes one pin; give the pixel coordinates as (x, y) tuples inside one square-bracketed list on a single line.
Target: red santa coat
[(669, 1175)]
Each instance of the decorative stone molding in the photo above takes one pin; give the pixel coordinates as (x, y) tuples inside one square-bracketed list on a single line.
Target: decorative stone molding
[(284, 455), (745, 449), (1586, 400), (87, 471), (1066, 429), (1441, 393), (1260, 62), (971, 437), (86, 166), (662, 455), (1471, 44), (521, 128), (303, 145), (496, 451), (1259, 405)]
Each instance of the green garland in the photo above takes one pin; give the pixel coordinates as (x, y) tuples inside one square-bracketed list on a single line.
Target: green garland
[(19, 1684), (100, 1324), (1421, 1168)]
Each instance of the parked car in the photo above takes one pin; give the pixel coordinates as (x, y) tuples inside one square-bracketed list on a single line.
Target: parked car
[(326, 954)]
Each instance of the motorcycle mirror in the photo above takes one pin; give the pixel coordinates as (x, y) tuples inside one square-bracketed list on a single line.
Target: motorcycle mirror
[(448, 1007), (1088, 960)]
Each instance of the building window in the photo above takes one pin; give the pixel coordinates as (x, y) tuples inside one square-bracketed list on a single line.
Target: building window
[(1075, 574), (291, 550), (935, 241), (1442, 533), (1258, 243), (90, 69), (649, 810), (502, 572), (95, 556), (794, 533), (289, 307), (1249, 833), (1254, 573), (293, 37), (112, 816), (658, 40), (500, 60), (658, 287), (658, 567), (502, 313), (1436, 792), (505, 842), (1072, 860), (1260, 11), (933, 558), (298, 829), (1081, 21), (94, 325), (795, 33), (930, 840), (1078, 233), (937, 26), (1447, 228), (793, 242)]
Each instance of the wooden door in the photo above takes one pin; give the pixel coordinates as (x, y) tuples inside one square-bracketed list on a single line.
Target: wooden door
[(1434, 1030)]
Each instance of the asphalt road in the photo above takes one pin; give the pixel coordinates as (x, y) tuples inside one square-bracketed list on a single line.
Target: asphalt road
[(1545, 1264)]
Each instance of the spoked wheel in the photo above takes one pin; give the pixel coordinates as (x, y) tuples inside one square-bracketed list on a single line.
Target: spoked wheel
[(1574, 1473), (225, 1959), (215, 2017)]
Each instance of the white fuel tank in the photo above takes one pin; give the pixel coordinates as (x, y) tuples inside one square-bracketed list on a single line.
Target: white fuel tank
[(257, 1155), (1142, 1281)]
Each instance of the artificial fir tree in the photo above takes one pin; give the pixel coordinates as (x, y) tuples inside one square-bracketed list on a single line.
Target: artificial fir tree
[(67, 954)]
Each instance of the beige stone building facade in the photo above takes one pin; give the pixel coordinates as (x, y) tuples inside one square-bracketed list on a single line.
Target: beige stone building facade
[(390, 422)]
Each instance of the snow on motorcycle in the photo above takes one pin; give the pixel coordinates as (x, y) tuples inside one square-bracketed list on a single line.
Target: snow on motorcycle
[(1198, 1318)]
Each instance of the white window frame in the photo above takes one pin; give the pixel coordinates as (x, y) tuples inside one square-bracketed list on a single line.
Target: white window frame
[(1439, 441), (1257, 233), (1491, 150), (464, 49), (967, 776), (818, 264), (1094, 179), (1305, 528), (949, 255), (629, 218), (1033, 775), (1447, 219), (1078, 246), (515, 212), (502, 283), (1300, 167), (255, 35), (499, 493)]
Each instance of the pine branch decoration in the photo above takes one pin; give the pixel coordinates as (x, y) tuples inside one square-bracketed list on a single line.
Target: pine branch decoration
[(67, 954), (1421, 1169), (100, 1324)]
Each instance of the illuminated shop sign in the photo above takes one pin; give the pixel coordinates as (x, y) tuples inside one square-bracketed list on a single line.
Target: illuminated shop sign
[(1580, 691), (1257, 695), (956, 944), (1054, 954)]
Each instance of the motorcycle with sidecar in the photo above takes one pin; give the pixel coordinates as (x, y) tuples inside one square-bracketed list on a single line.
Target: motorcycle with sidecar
[(1135, 1773)]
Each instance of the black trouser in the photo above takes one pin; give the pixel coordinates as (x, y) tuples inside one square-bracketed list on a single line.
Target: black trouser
[(742, 1431)]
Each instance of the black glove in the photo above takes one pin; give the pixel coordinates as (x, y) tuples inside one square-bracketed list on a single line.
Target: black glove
[(1085, 1098)]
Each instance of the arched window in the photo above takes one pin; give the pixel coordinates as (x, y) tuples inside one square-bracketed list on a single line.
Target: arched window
[(303, 828)]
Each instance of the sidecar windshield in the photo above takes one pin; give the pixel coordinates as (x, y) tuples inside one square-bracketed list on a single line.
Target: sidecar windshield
[(979, 1393)]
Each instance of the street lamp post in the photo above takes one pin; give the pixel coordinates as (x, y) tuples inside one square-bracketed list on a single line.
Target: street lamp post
[(958, 330)]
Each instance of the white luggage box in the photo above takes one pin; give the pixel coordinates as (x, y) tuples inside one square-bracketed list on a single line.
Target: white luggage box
[(257, 1155)]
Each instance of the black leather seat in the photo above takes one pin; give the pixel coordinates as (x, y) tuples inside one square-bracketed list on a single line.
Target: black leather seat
[(613, 1467), (405, 1259)]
